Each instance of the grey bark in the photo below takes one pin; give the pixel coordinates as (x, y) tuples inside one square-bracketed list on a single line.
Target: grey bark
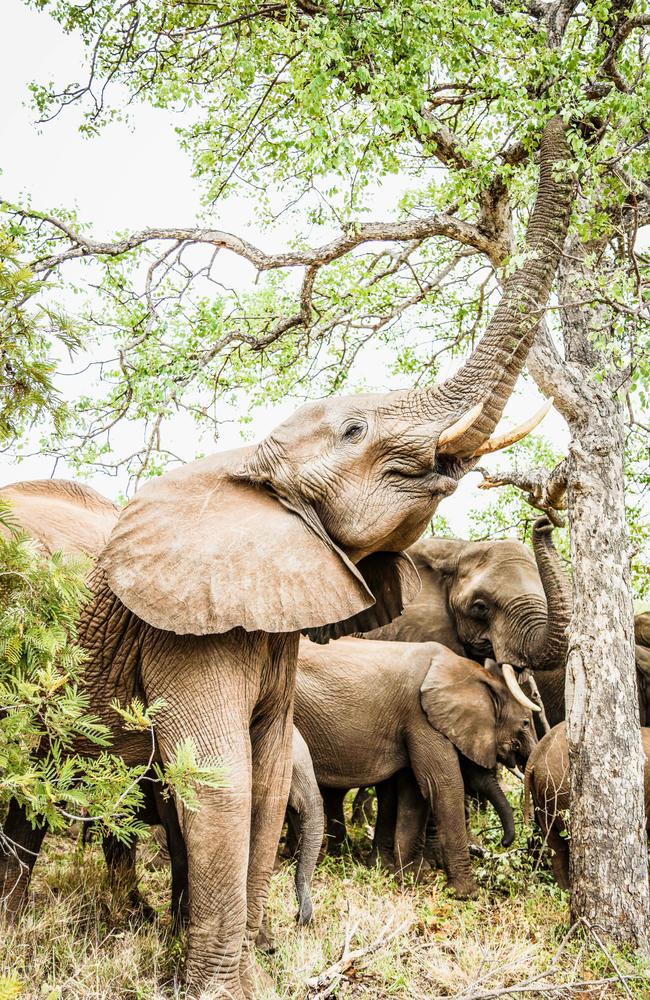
[(609, 849)]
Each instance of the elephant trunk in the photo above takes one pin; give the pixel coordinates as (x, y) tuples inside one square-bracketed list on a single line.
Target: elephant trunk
[(546, 647), (312, 825), (494, 793), (490, 373), (483, 781)]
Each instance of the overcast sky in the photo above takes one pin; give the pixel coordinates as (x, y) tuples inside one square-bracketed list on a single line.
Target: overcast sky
[(131, 177)]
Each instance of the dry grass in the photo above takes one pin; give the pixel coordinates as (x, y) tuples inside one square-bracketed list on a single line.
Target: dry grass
[(76, 942)]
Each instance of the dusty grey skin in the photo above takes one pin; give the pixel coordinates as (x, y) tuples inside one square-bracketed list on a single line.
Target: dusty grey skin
[(404, 819), (306, 815), (214, 569), (547, 784), (420, 704), (492, 599)]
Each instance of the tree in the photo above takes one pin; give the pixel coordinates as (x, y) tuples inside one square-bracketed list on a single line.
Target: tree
[(310, 107)]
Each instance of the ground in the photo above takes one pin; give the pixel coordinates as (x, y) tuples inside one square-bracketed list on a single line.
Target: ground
[(76, 941)]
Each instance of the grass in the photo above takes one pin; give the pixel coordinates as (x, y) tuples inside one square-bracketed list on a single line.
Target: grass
[(76, 941)]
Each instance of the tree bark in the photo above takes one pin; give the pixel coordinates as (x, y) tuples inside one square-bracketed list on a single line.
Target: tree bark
[(609, 860), (609, 857)]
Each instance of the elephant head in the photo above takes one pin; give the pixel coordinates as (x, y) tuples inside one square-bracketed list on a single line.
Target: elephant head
[(505, 603), (474, 708), (305, 530)]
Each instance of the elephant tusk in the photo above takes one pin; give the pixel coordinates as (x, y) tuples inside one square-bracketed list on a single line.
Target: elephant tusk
[(514, 689), (458, 428), (514, 435), (517, 773)]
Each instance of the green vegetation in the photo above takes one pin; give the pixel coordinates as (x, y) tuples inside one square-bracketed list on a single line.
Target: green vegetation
[(78, 941)]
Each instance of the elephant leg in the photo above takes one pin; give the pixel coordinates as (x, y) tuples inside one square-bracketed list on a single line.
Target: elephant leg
[(272, 767), (435, 763), (362, 807), (384, 839), (20, 844), (122, 875), (177, 851), (217, 842), (412, 812), (335, 820), (552, 828)]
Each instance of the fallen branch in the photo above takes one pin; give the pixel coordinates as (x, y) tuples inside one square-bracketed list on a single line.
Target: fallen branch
[(324, 984)]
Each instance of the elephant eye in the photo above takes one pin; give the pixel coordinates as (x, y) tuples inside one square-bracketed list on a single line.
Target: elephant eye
[(479, 609), (353, 432), (525, 724)]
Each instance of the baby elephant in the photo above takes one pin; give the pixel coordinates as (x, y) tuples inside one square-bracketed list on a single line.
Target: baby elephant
[(367, 710), (547, 783)]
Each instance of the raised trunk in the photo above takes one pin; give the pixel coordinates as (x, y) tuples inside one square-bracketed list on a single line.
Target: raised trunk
[(609, 861), (547, 648), (490, 373)]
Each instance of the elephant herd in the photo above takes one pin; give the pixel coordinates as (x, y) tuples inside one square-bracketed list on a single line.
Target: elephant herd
[(423, 707), (206, 580)]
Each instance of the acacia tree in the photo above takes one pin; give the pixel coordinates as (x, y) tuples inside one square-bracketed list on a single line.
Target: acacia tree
[(309, 107)]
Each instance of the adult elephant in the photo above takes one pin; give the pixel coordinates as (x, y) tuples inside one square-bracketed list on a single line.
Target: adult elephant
[(422, 705), (492, 599), (214, 569)]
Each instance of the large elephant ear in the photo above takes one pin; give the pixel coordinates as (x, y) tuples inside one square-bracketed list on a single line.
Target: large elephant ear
[(61, 515), (201, 550), (440, 554), (394, 582), (456, 699)]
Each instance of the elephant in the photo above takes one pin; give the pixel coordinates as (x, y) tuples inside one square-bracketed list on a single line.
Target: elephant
[(493, 599), (214, 569), (400, 807), (369, 710), (306, 817), (547, 784)]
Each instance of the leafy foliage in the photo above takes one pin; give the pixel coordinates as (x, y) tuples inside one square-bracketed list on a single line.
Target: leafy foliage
[(27, 390), (320, 113)]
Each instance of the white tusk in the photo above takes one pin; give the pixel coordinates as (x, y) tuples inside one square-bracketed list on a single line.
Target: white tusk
[(517, 773), (510, 678), (458, 428), (514, 435)]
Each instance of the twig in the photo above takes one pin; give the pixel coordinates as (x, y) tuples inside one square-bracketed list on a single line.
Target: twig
[(324, 984)]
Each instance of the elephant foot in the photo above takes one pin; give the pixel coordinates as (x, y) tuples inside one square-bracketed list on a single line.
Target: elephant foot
[(265, 941), (255, 981), (419, 870), (140, 908), (379, 859), (463, 886)]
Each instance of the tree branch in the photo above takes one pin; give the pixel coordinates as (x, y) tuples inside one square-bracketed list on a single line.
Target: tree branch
[(355, 235)]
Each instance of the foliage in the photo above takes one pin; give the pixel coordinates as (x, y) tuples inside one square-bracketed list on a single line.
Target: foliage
[(323, 113), (80, 941), (55, 755), (27, 390)]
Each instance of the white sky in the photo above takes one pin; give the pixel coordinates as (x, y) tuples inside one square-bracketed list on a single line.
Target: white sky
[(132, 177)]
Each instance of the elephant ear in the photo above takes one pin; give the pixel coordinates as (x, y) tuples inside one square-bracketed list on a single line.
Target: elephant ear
[(201, 551), (394, 582), (439, 554), (61, 515), (456, 698)]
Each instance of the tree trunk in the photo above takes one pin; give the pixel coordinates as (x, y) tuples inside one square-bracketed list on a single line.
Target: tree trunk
[(609, 860)]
